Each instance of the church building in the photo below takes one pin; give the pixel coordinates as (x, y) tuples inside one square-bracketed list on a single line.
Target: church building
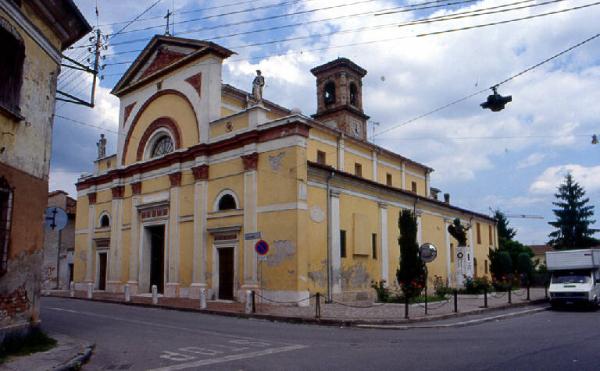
[(204, 170)]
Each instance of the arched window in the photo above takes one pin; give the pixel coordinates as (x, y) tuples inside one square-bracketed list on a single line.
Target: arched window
[(353, 94), (329, 93), (227, 202), (161, 146), (104, 221), (6, 203)]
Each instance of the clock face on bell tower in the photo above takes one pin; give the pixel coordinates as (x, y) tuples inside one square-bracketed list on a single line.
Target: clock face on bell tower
[(339, 97)]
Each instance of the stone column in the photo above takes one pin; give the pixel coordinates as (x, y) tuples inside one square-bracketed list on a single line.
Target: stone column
[(335, 258), (250, 219), (134, 248), (427, 183), (383, 231), (470, 251), (172, 285), (200, 210), (114, 272), (89, 268)]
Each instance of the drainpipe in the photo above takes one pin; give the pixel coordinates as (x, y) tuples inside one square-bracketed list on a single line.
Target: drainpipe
[(329, 234)]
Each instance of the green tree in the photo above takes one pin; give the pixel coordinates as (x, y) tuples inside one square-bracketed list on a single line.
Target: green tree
[(573, 218), (411, 274), (505, 233), (524, 267), (500, 264)]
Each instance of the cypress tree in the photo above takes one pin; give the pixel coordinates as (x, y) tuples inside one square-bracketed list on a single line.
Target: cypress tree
[(411, 275)]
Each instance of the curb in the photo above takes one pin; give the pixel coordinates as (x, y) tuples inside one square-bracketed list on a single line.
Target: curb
[(315, 321), (456, 324), (79, 360)]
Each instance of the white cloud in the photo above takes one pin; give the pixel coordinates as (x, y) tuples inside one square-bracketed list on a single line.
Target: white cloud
[(531, 160), (552, 177)]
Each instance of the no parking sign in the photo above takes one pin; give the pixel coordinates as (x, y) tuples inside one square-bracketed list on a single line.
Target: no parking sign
[(261, 247)]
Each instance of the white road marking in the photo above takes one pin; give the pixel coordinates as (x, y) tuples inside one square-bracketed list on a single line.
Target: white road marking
[(233, 357)]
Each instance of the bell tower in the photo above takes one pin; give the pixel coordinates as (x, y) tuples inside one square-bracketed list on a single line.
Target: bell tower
[(339, 97)]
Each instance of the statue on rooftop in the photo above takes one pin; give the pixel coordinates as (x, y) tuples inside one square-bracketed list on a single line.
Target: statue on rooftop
[(101, 146), (257, 86)]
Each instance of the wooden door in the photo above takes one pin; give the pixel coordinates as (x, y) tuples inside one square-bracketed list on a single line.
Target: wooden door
[(226, 273), (157, 258)]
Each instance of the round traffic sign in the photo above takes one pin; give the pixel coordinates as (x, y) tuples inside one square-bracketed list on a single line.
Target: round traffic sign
[(261, 247), (55, 218)]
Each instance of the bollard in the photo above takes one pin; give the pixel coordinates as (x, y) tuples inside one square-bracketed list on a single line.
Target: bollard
[(127, 293), (509, 295), (203, 298), (253, 301), (154, 294), (528, 297), (318, 306), (546, 292), (405, 306), (90, 290), (72, 289), (248, 307), (485, 303), (455, 300)]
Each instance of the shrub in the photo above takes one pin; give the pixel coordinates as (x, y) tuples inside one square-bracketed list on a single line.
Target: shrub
[(477, 285), (411, 274), (440, 287), (383, 293)]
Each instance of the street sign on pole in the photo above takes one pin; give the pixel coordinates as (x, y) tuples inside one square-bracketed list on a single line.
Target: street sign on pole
[(252, 236), (55, 218), (261, 247)]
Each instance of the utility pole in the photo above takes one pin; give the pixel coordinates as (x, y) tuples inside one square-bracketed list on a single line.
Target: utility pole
[(96, 63)]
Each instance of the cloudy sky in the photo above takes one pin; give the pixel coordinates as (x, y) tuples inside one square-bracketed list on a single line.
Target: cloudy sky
[(512, 160)]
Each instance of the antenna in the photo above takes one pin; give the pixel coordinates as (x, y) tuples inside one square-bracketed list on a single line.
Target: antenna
[(373, 124)]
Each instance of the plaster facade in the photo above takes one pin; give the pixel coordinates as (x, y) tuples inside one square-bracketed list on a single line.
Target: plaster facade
[(241, 167)]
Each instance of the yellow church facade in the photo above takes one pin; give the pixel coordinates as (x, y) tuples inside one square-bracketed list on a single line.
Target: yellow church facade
[(201, 166)]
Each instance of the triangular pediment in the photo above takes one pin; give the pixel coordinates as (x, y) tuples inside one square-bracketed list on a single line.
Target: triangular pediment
[(163, 54)]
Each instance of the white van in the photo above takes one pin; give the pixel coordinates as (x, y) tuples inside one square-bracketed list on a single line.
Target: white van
[(575, 276)]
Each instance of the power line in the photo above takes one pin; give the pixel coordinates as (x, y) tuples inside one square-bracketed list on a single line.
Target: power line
[(491, 137), (495, 85), (272, 17), (413, 7), (411, 36), (88, 125), (122, 30), (198, 10)]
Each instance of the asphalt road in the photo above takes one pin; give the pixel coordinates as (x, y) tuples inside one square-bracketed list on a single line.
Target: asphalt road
[(134, 338)]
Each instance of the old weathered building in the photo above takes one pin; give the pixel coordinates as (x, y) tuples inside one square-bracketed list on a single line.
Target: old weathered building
[(59, 245), (199, 164), (32, 36)]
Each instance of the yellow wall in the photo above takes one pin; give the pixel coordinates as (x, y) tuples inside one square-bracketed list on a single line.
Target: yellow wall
[(236, 123), (169, 105)]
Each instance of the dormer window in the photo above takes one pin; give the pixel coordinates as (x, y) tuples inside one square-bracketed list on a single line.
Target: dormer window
[(329, 93), (162, 146)]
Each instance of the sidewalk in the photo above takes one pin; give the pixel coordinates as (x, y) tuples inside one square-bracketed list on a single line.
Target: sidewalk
[(336, 313), (68, 354)]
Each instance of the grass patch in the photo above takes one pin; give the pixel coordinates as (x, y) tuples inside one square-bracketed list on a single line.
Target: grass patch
[(35, 341)]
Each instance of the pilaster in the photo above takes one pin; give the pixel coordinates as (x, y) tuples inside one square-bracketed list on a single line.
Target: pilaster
[(335, 258), (114, 272), (374, 160), (172, 285), (341, 150), (250, 219), (200, 216), (383, 232), (449, 278), (89, 271)]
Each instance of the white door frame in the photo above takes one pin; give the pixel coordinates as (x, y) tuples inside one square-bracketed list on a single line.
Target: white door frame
[(230, 244), (144, 270)]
